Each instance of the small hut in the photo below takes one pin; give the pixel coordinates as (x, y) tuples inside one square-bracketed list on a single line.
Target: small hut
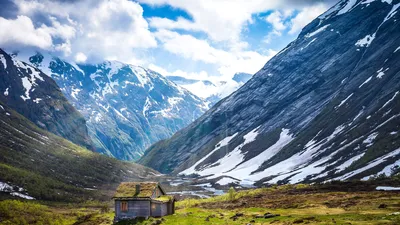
[(142, 199)]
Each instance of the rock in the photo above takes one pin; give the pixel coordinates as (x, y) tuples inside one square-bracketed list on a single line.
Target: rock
[(297, 221), (270, 215), (252, 221), (382, 206), (239, 214), (157, 222)]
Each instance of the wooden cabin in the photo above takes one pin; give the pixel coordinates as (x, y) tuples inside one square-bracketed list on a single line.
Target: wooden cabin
[(142, 199)]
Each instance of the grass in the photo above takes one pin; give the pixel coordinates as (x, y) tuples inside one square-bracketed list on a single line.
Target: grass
[(187, 203), (295, 204), (14, 212), (51, 168)]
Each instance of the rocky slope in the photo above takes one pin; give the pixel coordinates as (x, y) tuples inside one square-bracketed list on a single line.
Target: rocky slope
[(33, 94), (326, 107), (36, 164), (127, 108)]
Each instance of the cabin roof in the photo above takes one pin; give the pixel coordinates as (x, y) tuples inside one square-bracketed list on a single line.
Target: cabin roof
[(128, 190), (164, 198)]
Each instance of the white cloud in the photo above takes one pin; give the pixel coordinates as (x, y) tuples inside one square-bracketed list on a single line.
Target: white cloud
[(223, 86), (276, 19), (228, 62), (80, 57), (21, 32), (222, 20), (98, 29), (305, 16), (180, 23)]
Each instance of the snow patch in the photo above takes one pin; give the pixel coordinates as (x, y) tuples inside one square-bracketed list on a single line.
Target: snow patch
[(344, 101), (141, 75), (349, 5), (17, 194), (387, 188), (4, 187), (222, 143), (28, 86), (372, 164), (390, 100), (381, 72), (366, 81), (244, 170), (226, 181), (146, 106), (317, 31), (392, 12), (6, 92), (3, 61), (309, 43), (366, 41), (370, 139), (75, 92), (348, 163), (37, 100)]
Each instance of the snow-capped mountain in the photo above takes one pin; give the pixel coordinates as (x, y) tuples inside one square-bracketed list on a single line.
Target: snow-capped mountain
[(326, 107), (127, 107), (212, 91), (36, 96)]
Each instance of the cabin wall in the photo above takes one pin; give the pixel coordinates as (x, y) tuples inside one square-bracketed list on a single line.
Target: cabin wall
[(159, 209), (171, 207), (135, 209)]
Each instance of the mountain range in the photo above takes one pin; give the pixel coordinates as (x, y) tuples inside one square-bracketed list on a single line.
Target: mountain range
[(212, 91), (37, 164), (326, 107), (127, 108)]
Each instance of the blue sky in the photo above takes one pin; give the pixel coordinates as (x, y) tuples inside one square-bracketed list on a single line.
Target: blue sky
[(202, 39)]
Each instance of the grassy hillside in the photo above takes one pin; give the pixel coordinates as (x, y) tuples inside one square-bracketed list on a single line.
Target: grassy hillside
[(51, 168), (334, 203)]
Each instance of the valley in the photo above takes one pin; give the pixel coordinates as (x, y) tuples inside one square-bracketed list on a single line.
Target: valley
[(333, 203), (313, 137)]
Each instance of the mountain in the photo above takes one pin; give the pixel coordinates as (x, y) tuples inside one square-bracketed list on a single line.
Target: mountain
[(33, 94), (127, 108), (36, 164), (211, 91), (242, 77), (326, 107)]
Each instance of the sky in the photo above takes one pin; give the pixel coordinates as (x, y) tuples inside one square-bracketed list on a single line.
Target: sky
[(197, 39)]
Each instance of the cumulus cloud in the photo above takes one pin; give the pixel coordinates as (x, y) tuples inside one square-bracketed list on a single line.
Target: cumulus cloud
[(22, 32), (98, 29), (223, 20), (277, 20), (228, 62), (80, 57), (94, 30)]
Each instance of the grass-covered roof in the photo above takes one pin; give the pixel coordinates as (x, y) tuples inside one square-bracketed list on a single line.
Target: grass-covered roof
[(128, 190), (164, 198)]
